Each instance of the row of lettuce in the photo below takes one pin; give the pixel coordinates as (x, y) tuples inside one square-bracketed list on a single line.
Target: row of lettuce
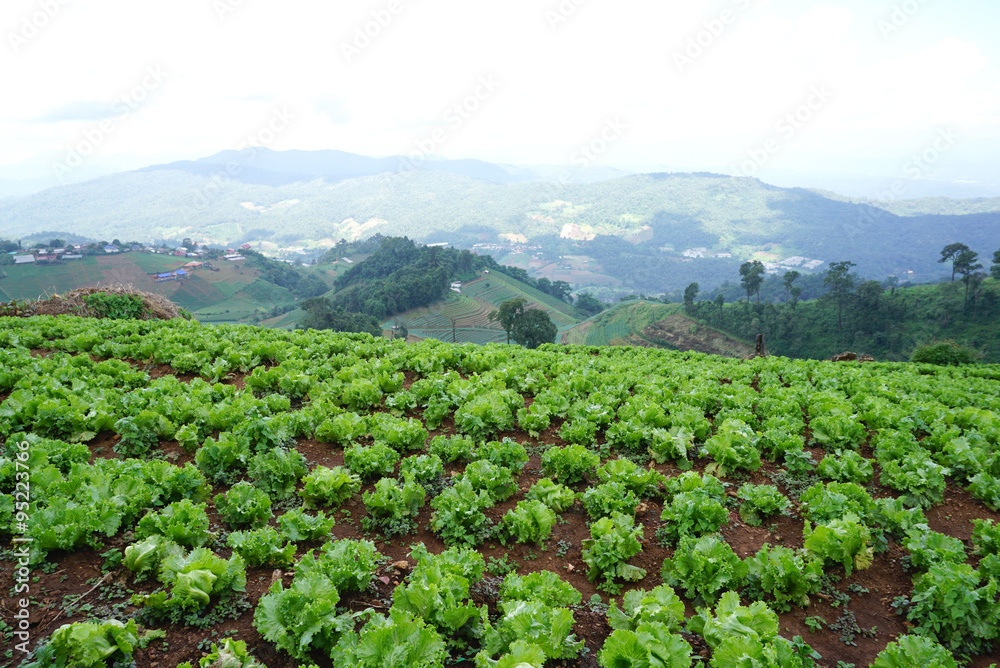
[(924, 425)]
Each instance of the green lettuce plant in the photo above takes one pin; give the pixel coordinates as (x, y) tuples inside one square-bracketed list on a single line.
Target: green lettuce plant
[(370, 461), (704, 567), (297, 525), (529, 522), (329, 486), (393, 505), (184, 522), (544, 586), (262, 547), (88, 645), (244, 506), (398, 640), (571, 464), (557, 497), (613, 541), (760, 502)]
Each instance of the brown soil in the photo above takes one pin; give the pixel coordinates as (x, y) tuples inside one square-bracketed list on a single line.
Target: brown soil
[(683, 333)]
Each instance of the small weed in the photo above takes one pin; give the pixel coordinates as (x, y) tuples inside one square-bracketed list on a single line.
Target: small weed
[(501, 567), (562, 547), (596, 605), (814, 623), (112, 560)]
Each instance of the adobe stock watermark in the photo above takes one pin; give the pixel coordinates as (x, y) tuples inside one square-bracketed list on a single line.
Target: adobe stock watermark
[(786, 127), (900, 16), (31, 25), (917, 166), (123, 106), (454, 117), (588, 154), (21, 547), (711, 31), (220, 180), (562, 12), (366, 33), (223, 8)]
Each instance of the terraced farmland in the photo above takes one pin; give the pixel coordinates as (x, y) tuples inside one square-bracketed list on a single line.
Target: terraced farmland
[(470, 311)]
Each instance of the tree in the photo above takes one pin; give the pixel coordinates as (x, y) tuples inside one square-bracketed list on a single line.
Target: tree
[(840, 281), (951, 252), (533, 328), (966, 263), (751, 278), (690, 294), (561, 290), (588, 304), (974, 288), (893, 282), (311, 285), (870, 303), (507, 314), (789, 278), (320, 314), (995, 269), (57, 243)]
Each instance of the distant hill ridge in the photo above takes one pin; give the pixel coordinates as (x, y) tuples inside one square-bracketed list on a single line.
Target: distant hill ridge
[(231, 198)]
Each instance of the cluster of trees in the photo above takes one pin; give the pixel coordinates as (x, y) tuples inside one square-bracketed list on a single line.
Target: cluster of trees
[(400, 275), (528, 327), (360, 247), (321, 314), (558, 289), (965, 261), (284, 275), (866, 315), (588, 305)]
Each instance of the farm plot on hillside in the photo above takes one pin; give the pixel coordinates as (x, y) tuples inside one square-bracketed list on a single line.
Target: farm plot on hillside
[(182, 494)]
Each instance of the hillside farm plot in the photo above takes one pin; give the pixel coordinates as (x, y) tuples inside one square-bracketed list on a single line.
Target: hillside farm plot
[(31, 281), (464, 317), (493, 289), (179, 493), (155, 263), (194, 292), (471, 321), (616, 325)]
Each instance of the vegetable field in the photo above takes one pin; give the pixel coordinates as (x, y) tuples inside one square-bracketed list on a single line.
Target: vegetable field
[(179, 494)]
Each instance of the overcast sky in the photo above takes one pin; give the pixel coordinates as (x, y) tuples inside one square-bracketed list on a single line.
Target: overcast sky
[(894, 88)]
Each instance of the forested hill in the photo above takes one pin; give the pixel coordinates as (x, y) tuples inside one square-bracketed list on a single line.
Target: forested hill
[(400, 275), (887, 323)]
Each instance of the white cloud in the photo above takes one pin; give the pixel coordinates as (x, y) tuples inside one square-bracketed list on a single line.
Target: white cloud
[(557, 86)]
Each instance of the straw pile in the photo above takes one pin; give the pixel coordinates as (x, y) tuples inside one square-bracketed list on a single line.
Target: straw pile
[(73, 303)]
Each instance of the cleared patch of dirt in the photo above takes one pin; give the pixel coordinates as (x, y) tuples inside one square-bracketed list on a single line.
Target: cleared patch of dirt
[(683, 333)]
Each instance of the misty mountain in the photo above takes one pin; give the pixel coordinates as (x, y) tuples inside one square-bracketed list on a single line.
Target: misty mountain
[(642, 221), (262, 166)]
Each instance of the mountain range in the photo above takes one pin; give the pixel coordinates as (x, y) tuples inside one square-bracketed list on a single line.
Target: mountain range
[(675, 224)]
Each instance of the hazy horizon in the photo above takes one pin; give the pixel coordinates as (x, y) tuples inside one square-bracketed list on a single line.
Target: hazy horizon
[(849, 92)]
